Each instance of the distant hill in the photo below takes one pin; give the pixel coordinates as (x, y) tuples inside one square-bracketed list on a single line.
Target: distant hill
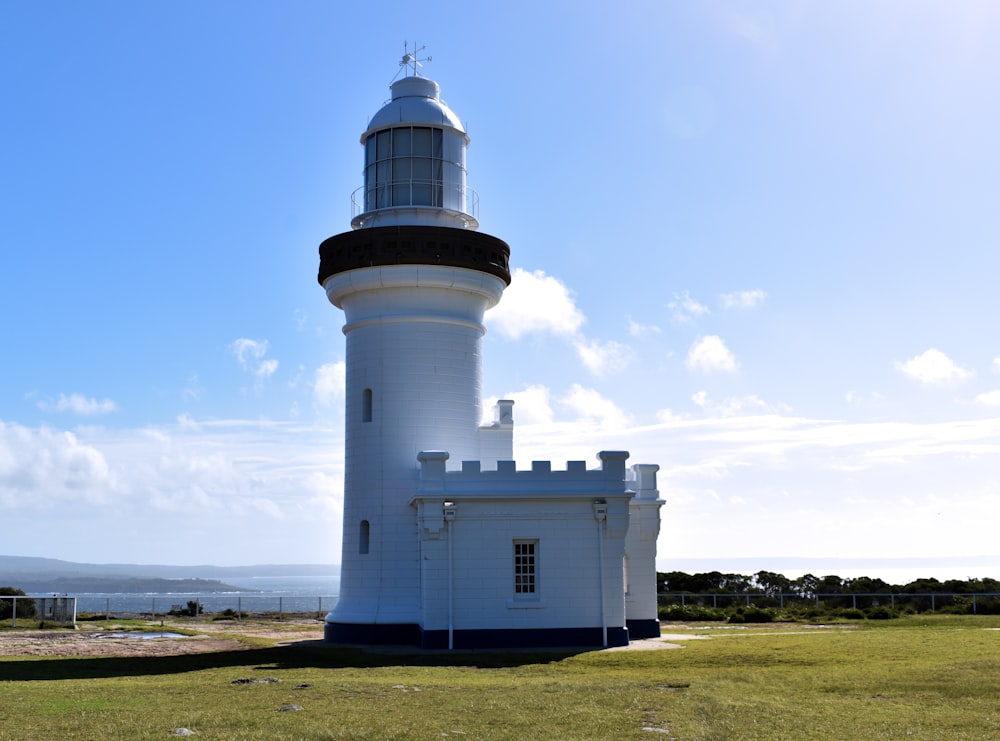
[(35, 575)]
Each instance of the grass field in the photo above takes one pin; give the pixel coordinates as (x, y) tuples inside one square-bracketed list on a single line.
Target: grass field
[(934, 677)]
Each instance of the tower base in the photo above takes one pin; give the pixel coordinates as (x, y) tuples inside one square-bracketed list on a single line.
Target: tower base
[(643, 628), (540, 638), (372, 634), (407, 634)]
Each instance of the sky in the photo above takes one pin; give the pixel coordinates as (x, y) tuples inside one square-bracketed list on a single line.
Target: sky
[(753, 243)]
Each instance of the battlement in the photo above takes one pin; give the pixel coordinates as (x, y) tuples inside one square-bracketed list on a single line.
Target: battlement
[(506, 480)]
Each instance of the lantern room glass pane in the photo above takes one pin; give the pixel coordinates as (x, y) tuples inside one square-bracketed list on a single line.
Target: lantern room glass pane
[(421, 142), (404, 166), (421, 168), (401, 143), (382, 144)]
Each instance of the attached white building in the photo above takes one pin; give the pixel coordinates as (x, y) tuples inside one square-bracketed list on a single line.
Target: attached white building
[(446, 543)]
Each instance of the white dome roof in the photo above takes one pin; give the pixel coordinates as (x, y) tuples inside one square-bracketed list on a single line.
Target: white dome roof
[(415, 100)]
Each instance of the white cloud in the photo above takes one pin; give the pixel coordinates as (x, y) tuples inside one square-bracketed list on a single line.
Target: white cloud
[(603, 357), (41, 468), (232, 484), (990, 399), (533, 405), (933, 368), (635, 329), (266, 368), (685, 308), (250, 354), (667, 416), (331, 380), (735, 405), (193, 390), (743, 299), (535, 302), (229, 485), (79, 404), (588, 404), (247, 350), (709, 354), (856, 399), (538, 303)]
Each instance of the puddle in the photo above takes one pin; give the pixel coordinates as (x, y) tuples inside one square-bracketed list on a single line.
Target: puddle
[(143, 635)]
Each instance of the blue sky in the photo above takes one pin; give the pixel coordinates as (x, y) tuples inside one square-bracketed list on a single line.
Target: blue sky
[(755, 243)]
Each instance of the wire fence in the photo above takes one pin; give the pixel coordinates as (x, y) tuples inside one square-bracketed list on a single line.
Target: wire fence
[(920, 601), (69, 609)]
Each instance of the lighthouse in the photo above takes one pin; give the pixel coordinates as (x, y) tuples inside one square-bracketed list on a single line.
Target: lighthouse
[(445, 542)]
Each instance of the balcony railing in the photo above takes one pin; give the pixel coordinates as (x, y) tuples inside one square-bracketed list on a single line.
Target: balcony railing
[(415, 193)]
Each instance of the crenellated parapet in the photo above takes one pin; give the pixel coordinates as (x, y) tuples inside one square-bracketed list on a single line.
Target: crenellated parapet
[(540, 479), (504, 490)]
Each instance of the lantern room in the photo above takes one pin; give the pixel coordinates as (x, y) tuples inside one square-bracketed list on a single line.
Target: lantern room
[(415, 163)]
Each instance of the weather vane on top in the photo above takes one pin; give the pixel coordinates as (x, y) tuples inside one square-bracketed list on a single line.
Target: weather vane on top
[(410, 61)]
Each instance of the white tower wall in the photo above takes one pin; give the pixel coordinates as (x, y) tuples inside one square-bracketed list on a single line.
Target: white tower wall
[(414, 375)]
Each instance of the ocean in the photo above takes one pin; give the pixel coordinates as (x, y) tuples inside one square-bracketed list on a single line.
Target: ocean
[(286, 594)]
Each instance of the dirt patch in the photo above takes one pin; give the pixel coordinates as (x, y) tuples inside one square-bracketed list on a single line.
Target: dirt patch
[(206, 637)]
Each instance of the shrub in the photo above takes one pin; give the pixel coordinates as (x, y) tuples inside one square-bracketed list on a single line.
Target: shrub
[(754, 614), (988, 606), (25, 607), (691, 612), (193, 609), (881, 613), (851, 613)]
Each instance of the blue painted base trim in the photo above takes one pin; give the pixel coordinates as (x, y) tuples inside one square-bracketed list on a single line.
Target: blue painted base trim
[(643, 629), (370, 634), (523, 638)]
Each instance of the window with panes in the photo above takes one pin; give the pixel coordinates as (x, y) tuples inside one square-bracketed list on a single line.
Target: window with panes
[(404, 166), (525, 567)]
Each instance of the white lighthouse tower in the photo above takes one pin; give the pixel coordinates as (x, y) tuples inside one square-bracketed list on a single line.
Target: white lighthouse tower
[(445, 542), (414, 279)]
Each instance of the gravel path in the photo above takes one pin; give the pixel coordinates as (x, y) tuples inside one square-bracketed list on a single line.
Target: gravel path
[(215, 636)]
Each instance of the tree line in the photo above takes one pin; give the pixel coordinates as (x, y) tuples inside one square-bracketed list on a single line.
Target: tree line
[(769, 583)]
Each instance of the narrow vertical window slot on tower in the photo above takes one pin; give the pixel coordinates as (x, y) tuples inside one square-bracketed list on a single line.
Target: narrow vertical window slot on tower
[(366, 406), (364, 538)]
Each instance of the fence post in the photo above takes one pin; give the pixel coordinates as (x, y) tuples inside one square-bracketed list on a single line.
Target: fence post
[(107, 608), (973, 604), (933, 607), (281, 608), (854, 601)]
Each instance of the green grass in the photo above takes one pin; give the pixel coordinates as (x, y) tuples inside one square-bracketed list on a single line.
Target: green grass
[(934, 677)]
